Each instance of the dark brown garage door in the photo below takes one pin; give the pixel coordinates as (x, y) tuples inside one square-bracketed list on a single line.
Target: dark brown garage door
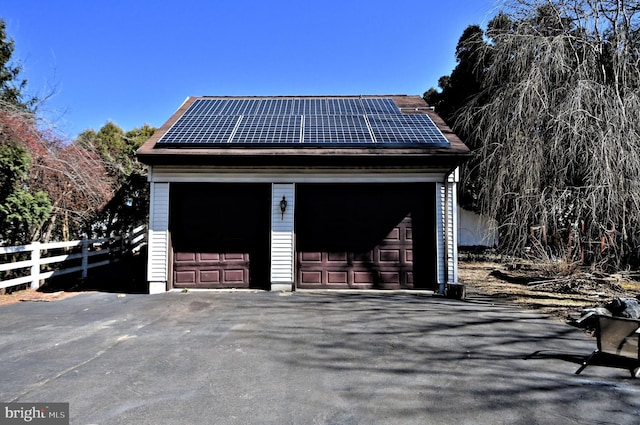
[(373, 236), (220, 235)]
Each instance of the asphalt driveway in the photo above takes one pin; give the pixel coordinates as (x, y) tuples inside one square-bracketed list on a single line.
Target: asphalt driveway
[(305, 358)]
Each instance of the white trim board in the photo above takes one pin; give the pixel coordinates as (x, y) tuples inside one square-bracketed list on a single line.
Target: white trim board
[(188, 176)]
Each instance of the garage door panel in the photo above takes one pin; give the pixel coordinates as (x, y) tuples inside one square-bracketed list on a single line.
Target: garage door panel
[(337, 277), (336, 257), (372, 231), (210, 276), (394, 235), (185, 256), (235, 257), (310, 277), (363, 278), (389, 256), (220, 235), (236, 276), (362, 258), (390, 279), (206, 256), (408, 234), (186, 277), (309, 257)]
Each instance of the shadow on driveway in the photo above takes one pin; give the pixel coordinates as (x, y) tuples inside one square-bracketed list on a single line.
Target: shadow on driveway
[(305, 358), (127, 276)]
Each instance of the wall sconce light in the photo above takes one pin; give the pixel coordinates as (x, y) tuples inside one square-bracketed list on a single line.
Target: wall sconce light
[(283, 206)]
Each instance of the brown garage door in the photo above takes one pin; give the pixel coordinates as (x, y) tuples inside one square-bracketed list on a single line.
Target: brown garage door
[(220, 235), (365, 236)]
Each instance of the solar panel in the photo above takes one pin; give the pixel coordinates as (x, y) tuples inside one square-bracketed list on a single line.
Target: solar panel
[(203, 107), (336, 129), (406, 130), (237, 107), (203, 130), (273, 107), (314, 121), (309, 107), (379, 106), (341, 106), (330, 106), (268, 129)]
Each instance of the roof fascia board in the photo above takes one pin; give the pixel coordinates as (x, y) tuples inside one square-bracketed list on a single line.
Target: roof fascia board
[(195, 175)]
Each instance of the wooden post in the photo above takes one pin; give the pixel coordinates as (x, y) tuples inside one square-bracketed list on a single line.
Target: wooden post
[(35, 265)]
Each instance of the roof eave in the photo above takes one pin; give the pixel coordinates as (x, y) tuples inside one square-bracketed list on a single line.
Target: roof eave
[(456, 153), (304, 157)]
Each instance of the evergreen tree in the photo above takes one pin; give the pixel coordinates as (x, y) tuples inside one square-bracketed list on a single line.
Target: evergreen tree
[(12, 86)]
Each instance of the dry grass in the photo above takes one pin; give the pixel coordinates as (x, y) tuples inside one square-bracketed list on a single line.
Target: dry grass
[(531, 287), (34, 296)]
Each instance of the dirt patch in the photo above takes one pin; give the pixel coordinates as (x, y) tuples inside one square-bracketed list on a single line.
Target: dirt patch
[(32, 295), (562, 296)]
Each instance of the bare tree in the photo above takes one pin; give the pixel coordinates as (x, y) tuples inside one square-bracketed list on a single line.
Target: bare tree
[(78, 185), (74, 177), (558, 125)]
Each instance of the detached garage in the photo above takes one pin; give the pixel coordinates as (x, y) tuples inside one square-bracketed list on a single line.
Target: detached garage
[(285, 193)]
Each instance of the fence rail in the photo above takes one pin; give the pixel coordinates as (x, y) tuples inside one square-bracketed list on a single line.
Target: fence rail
[(69, 257)]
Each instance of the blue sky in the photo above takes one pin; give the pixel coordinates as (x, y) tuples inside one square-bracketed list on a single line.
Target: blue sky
[(135, 61)]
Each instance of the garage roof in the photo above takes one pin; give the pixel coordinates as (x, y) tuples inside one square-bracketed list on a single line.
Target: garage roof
[(376, 121), (212, 129)]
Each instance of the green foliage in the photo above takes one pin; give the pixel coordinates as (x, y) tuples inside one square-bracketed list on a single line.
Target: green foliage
[(138, 136), (134, 139), (14, 166), (109, 143), (129, 206), (116, 147), (22, 213)]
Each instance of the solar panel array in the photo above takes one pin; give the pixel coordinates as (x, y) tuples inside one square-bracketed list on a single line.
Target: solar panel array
[(309, 121)]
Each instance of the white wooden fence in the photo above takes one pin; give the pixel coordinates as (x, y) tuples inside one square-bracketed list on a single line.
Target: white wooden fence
[(83, 255)]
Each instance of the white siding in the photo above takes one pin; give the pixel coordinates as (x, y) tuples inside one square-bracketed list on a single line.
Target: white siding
[(158, 261), (440, 234), (452, 233), (282, 234), (446, 231)]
